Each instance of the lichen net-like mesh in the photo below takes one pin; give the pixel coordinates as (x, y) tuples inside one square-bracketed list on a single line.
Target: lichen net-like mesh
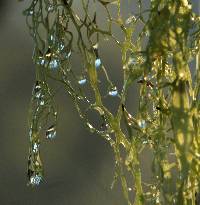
[(64, 30)]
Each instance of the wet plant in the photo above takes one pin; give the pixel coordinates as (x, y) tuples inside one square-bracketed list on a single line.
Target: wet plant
[(159, 45)]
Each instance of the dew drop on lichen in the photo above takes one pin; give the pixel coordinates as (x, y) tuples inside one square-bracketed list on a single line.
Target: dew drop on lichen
[(61, 46), (42, 102), (37, 92), (35, 180), (132, 61), (82, 81), (35, 147), (51, 132), (40, 61), (68, 54), (54, 64), (113, 92), (130, 19), (92, 129), (97, 63), (129, 189), (142, 124), (50, 8)]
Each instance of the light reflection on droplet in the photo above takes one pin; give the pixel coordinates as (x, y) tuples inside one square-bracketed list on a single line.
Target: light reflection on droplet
[(129, 189), (35, 147), (132, 61), (40, 61), (145, 142), (113, 92), (82, 81), (30, 12), (92, 129), (61, 46), (37, 90), (50, 8), (42, 102), (54, 64), (35, 180), (68, 55), (51, 132), (130, 19), (142, 124), (97, 63), (30, 133), (52, 37)]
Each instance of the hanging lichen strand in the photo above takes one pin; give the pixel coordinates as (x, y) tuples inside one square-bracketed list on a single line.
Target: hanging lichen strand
[(159, 58)]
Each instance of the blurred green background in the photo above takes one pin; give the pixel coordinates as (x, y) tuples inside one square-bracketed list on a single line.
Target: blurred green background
[(78, 165)]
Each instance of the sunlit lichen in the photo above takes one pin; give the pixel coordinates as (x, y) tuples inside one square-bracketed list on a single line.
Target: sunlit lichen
[(157, 57)]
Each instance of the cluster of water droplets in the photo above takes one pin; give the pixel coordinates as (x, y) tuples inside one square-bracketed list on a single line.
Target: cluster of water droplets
[(52, 57)]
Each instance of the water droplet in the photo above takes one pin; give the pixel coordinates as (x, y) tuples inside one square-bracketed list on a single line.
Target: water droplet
[(145, 142), (51, 132), (35, 147), (54, 64), (50, 8), (97, 63), (48, 53), (52, 38), (28, 12), (157, 200), (113, 92), (35, 180), (130, 19), (92, 129), (129, 189), (82, 81), (61, 46), (132, 61), (30, 132), (96, 46), (31, 12), (68, 54), (40, 61), (142, 124), (37, 90), (42, 102)]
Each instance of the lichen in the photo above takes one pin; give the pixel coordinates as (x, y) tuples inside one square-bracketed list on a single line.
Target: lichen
[(158, 58)]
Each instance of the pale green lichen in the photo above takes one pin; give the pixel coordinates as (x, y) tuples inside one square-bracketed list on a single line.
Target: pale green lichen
[(167, 121)]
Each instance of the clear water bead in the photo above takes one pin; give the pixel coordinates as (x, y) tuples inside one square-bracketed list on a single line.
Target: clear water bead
[(97, 63), (113, 92), (142, 124), (40, 61), (68, 54), (35, 180), (35, 147), (50, 8), (132, 61), (51, 132), (61, 46), (54, 64), (37, 90), (30, 12), (82, 81), (42, 102), (130, 19)]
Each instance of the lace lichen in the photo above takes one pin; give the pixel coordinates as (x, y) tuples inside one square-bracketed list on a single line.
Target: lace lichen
[(158, 57)]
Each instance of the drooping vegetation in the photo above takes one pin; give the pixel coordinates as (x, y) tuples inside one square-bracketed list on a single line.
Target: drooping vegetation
[(159, 52)]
